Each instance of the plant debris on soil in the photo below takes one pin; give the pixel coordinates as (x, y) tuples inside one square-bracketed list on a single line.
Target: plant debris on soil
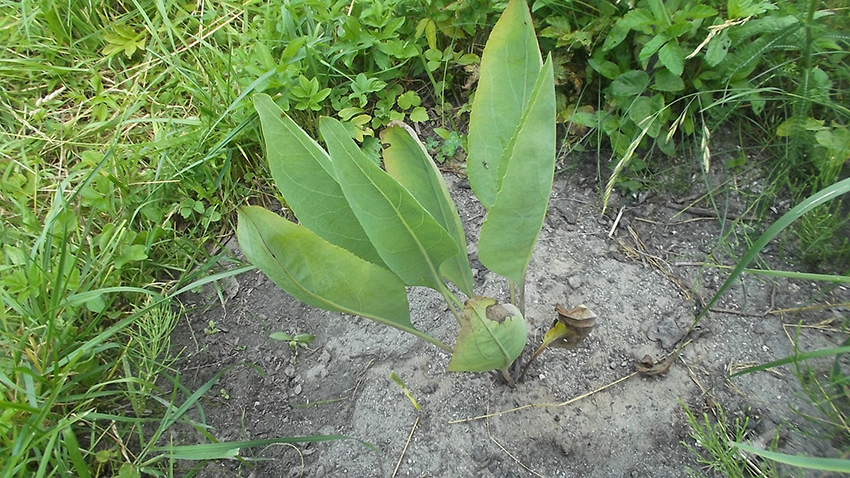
[(613, 406)]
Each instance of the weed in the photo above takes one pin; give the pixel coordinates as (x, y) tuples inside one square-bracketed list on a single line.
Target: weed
[(295, 342), (119, 164), (827, 396), (711, 443), (211, 329), (446, 149)]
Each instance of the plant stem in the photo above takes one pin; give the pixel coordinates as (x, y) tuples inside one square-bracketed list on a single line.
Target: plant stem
[(512, 289), (428, 338), (453, 302), (522, 297), (508, 377)]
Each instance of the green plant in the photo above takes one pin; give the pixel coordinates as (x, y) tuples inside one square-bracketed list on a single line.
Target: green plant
[(712, 443), (294, 341), (123, 150), (666, 75), (211, 329), (451, 143), (825, 400), (365, 234)]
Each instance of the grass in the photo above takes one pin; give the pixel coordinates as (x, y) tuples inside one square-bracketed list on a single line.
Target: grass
[(124, 146), (826, 391)]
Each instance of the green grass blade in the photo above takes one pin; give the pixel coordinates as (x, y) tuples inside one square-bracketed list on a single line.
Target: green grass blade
[(303, 173), (208, 279), (515, 219), (822, 464), (801, 275), (509, 69), (217, 451), (408, 162), (789, 217), (793, 359), (73, 447), (410, 241)]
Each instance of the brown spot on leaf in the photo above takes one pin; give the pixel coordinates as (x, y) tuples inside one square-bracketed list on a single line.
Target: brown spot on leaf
[(498, 313)]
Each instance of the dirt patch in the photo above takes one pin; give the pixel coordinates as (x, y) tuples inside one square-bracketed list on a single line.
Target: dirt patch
[(641, 283)]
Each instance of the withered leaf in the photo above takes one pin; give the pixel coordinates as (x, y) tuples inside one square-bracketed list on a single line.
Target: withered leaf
[(570, 328), (648, 368)]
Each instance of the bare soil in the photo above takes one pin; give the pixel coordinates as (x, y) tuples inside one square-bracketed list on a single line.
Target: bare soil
[(583, 412)]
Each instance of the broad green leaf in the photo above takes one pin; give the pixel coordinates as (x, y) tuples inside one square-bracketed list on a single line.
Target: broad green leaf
[(616, 35), (796, 125), (319, 273), (514, 221), (836, 141), (717, 48), (659, 12), (646, 115), (282, 336), (410, 241), (746, 8), (509, 68), (408, 162), (605, 68), (651, 48), (419, 114), (491, 336), (639, 19), (701, 11), (619, 142), (630, 83), (670, 55), (678, 29), (664, 80), (585, 118), (303, 173)]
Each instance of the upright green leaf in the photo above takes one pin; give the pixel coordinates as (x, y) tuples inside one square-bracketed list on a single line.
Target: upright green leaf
[(408, 162), (410, 241), (321, 274), (491, 336), (509, 68), (303, 172), (513, 223)]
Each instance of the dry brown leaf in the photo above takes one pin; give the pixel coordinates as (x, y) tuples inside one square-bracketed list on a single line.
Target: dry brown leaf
[(648, 368), (570, 328)]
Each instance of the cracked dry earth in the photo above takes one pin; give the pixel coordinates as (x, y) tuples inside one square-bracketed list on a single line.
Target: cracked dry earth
[(581, 412)]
